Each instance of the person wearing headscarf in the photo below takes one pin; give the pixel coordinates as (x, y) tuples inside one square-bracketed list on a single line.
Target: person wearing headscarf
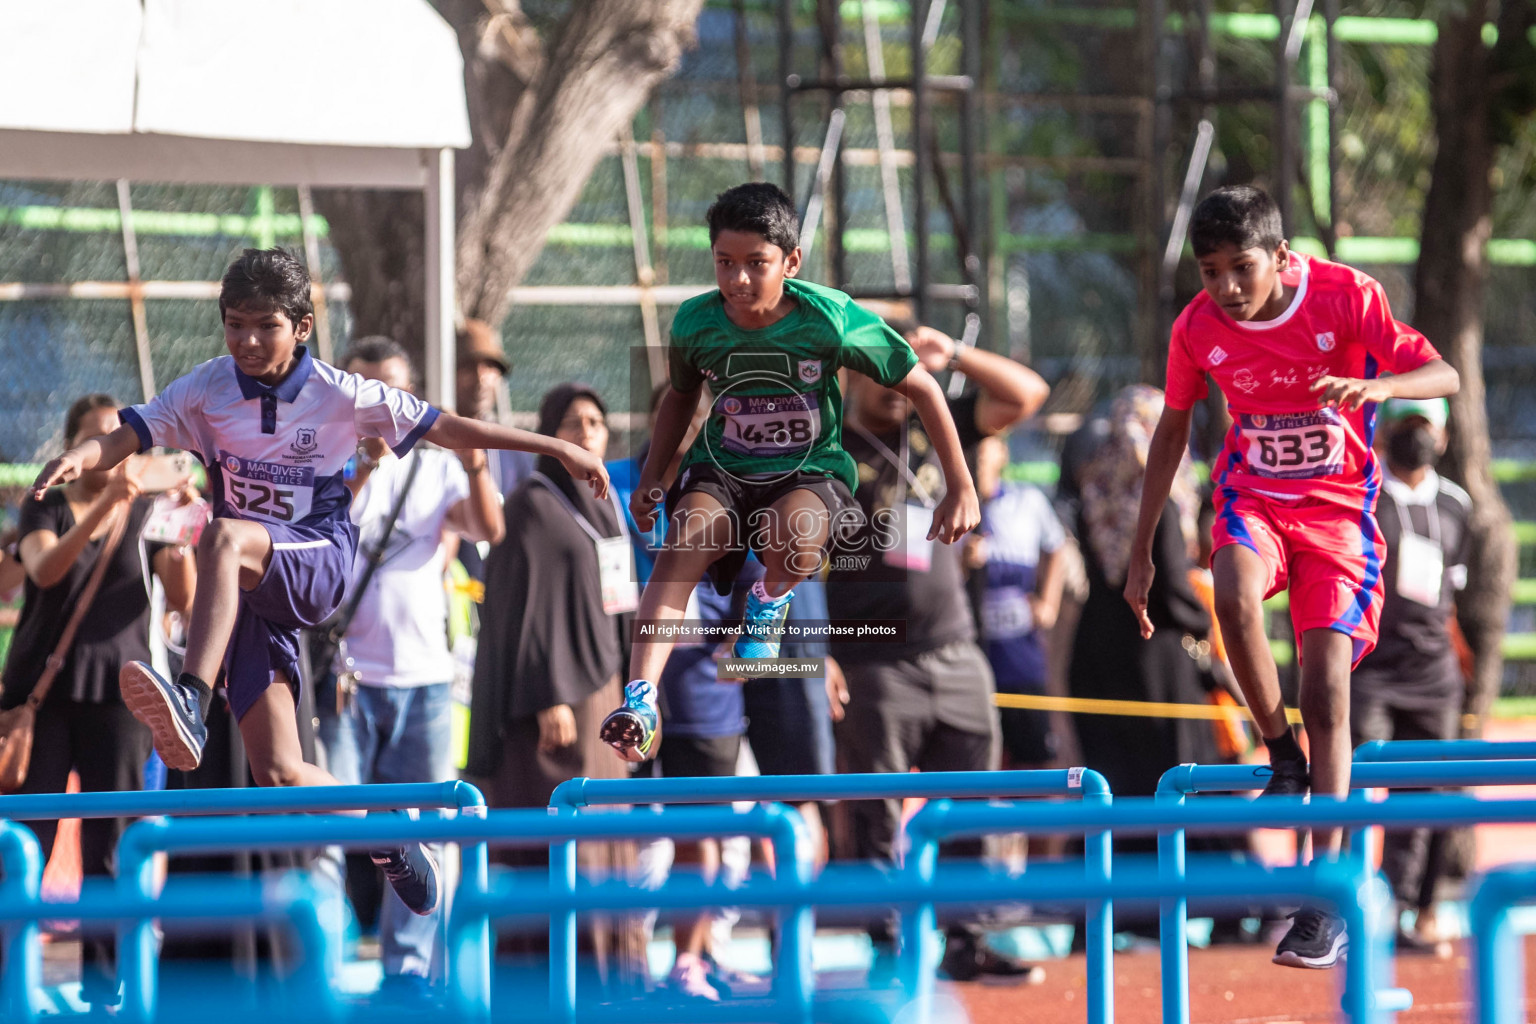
[(547, 669), (1109, 658), (548, 666)]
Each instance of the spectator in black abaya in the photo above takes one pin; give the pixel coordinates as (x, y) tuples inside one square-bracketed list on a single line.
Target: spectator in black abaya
[(1109, 658), (548, 667)]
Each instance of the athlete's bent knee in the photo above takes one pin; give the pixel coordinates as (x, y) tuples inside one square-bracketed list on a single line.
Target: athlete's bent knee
[(219, 539), (1239, 611)]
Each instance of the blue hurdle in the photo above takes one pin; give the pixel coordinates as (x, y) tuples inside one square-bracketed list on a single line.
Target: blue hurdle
[(919, 956), (1361, 1000), (1445, 750), (470, 988), (865, 886), (1182, 780), (290, 899), (1498, 963), (138, 936)]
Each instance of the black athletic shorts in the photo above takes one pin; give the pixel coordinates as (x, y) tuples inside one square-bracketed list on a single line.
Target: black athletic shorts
[(699, 757), (743, 496)]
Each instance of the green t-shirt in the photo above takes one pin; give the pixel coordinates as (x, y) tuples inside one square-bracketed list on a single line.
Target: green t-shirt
[(777, 407)]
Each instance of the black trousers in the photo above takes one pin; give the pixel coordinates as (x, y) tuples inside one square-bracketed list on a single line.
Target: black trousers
[(1412, 859), (108, 747), (933, 712)]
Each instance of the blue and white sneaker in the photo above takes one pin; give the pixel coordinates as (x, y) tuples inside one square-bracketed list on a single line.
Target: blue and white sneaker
[(172, 712), (633, 729), (762, 628)]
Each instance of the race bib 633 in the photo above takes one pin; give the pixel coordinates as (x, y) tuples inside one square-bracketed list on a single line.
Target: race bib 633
[(1294, 446)]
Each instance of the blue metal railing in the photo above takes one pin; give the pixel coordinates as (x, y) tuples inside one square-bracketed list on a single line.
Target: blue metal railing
[(922, 885), (1498, 962), (136, 937), (919, 954), (1386, 771)]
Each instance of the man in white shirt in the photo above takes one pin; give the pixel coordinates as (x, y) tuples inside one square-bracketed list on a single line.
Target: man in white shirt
[(394, 727)]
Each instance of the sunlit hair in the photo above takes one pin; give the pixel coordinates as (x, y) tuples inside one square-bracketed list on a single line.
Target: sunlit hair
[(1241, 216), (759, 207), (267, 279)]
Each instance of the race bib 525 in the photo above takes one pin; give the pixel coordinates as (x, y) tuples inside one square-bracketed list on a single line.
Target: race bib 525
[(267, 490)]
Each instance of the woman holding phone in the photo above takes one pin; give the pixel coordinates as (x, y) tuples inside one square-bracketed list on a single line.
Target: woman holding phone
[(82, 724)]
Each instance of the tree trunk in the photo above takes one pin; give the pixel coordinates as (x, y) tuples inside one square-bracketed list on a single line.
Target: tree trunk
[(1450, 289), (540, 116), (1477, 95)]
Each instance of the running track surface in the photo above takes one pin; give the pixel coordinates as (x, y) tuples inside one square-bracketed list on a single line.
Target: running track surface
[(1228, 985)]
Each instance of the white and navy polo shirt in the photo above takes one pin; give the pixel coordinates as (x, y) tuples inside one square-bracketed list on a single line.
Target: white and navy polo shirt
[(276, 454)]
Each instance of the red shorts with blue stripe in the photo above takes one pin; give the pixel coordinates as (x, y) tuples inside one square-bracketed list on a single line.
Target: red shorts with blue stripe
[(1326, 555)]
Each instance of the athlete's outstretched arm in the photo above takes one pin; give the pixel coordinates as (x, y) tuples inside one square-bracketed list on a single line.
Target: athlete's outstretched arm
[(960, 510), (1163, 456), (673, 418), (98, 453), (1435, 379), (458, 432)]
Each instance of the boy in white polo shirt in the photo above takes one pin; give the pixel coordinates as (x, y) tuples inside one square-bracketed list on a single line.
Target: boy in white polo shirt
[(275, 429)]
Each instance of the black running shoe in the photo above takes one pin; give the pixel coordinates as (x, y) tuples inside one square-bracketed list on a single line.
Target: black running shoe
[(412, 873), (171, 711), (967, 958), (1316, 940), (1288, 778)]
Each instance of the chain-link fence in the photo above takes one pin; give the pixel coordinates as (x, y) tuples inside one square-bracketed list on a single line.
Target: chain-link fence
[(1066, 115)]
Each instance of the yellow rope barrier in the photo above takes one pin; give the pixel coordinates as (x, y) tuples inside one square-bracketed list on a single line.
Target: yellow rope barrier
[(1134, 708)]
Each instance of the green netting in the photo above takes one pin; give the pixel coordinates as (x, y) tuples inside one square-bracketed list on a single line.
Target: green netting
[(1062, 278)]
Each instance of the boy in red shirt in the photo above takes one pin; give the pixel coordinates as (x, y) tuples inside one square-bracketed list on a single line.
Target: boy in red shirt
[(1296, 344)]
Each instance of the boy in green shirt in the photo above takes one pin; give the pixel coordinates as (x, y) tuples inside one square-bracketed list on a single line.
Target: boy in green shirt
[(768, 472)]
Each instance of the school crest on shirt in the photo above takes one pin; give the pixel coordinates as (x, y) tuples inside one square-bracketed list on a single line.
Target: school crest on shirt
[(1326, 342), (810, 370), (1218, 356), (304, 441)]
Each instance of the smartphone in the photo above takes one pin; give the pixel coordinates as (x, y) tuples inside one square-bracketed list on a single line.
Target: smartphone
[(161, 471)]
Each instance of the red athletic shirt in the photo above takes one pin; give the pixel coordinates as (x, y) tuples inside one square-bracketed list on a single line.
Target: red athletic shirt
[(1283, 443)]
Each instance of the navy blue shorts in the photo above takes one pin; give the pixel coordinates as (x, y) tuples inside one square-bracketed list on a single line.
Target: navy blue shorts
[(304, 583)]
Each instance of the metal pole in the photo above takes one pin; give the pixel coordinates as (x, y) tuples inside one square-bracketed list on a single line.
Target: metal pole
[(746, 85), (439, 250), (1285, 142), (323, 340), (1331, 71), (920, 277), (824, 165), (1199, 155), (787, 81), (970, 67), (645, 277), (885, 140), (830, 22), (135, 291)]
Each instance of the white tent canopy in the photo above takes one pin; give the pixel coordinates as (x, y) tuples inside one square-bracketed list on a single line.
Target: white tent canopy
[(324, 93)]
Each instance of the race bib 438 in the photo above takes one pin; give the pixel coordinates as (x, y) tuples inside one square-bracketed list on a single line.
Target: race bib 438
[(1294, 446), (267, 490), (768, 425)]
